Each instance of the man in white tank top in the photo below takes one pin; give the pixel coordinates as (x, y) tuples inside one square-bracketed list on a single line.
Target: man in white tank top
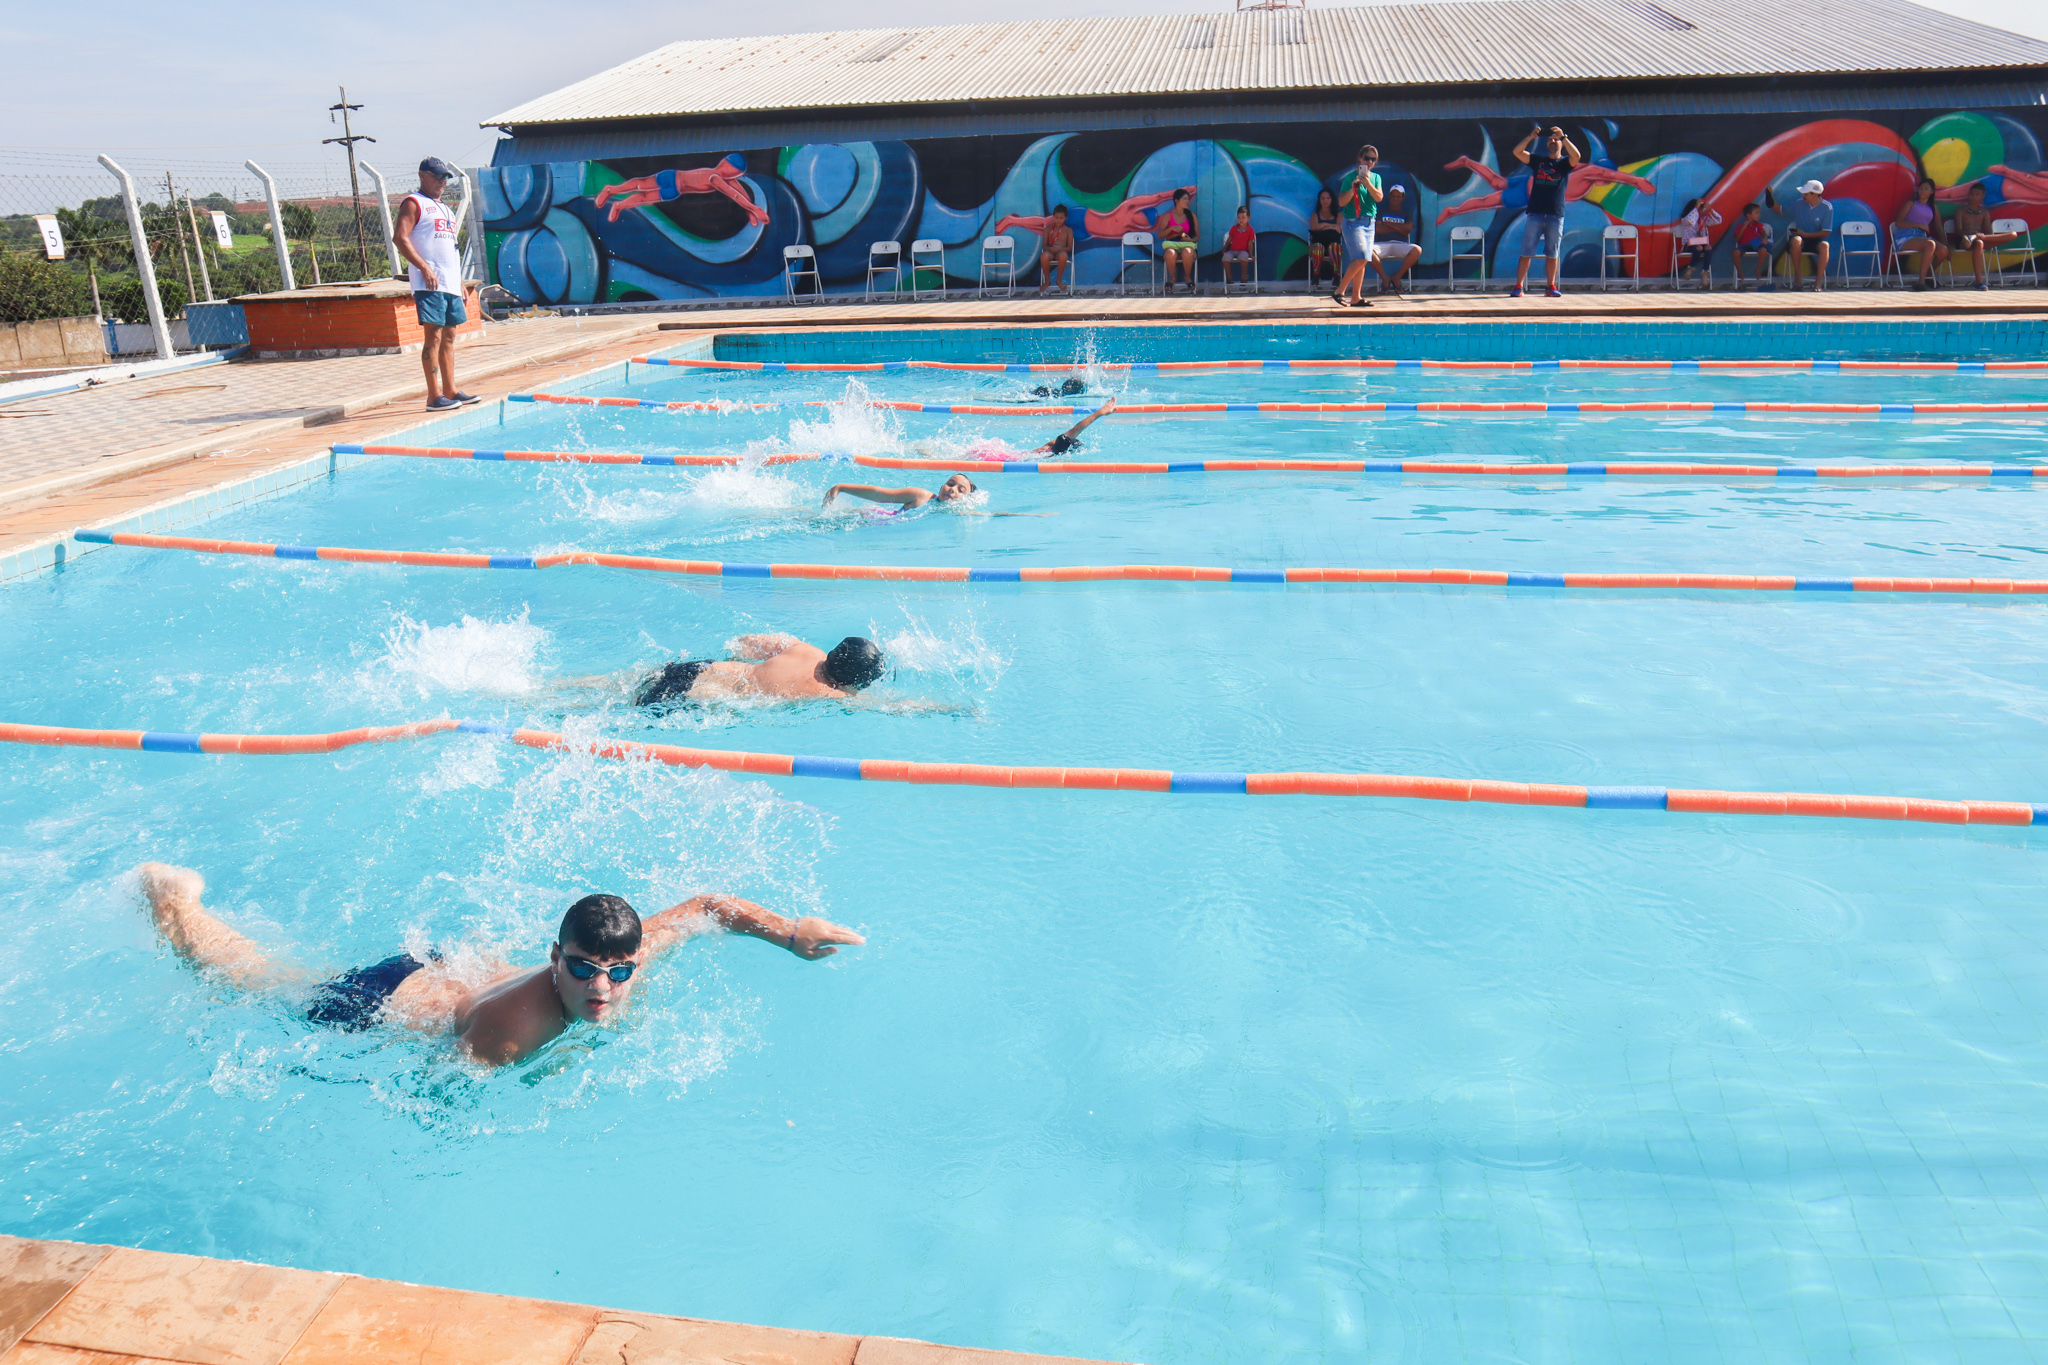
[(425, 235)]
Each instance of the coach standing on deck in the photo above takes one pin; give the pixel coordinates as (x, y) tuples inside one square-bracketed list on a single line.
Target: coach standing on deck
[(425, 236)]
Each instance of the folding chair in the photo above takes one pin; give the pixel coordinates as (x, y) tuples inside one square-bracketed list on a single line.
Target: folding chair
[(1763, 267), (791, 256), (1125, 260), (919, 250), (1477, 255), (999, 253), (1700, 249), (1611, 238), (2022, 248), (1860, 239), (1811, 248), (894, 269)]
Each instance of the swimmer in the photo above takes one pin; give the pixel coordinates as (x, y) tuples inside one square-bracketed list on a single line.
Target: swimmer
[(588, 977), (1070, 439), (909, 499), (776, 666), (1068, 387)]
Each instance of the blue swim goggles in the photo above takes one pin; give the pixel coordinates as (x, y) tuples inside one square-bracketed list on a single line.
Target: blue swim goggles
[(583, 969)]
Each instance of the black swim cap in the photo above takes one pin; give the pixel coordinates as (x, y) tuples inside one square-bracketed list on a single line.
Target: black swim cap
[(1071, 385), (1062, 443), (854, 663)]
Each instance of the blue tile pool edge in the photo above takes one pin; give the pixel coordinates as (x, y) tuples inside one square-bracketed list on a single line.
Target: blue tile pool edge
[(187, 508)]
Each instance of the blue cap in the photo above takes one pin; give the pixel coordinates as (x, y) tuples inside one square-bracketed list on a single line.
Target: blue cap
[(434, 165)]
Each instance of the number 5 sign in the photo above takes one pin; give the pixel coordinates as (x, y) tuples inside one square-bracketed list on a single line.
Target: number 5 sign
[(53, 237)]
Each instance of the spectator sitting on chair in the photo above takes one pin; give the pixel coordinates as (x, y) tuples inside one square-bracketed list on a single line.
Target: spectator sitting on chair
[(1390, 241), (1917, 231), (1694, 226), (1325, 240), (1813, 218), (1549, 170), (1752, 243), (1056, 252), (1238, 245), (1972, 226), (1179, 231)]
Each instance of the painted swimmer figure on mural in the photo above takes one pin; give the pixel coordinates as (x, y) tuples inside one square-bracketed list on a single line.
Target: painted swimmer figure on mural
[(1111, 226), (662, 186), (1514, 193), (502, 1013)]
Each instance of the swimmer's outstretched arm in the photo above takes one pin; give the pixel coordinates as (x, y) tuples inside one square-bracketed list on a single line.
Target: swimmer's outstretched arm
[(908, 497), (1072, 433), (754, 648), (808, 937), (190, 928)]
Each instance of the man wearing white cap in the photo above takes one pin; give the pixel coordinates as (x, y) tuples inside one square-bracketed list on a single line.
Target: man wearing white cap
[(425, 235), (1813, 218)]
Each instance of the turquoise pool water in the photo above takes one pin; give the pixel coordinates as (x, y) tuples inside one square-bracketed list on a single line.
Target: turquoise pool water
[(1165, 1078)]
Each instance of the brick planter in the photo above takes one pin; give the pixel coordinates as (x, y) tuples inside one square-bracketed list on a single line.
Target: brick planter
[(372, 318)]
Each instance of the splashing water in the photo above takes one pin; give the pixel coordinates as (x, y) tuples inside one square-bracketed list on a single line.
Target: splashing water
[(852, 426), (488, 658)]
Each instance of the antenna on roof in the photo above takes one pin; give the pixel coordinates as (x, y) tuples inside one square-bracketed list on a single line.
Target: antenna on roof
[(1271, 4)]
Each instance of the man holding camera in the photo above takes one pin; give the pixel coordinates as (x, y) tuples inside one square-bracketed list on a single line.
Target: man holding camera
[(1550, 170)]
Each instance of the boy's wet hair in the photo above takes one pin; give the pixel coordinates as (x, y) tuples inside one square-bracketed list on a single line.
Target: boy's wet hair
[(603, 926)]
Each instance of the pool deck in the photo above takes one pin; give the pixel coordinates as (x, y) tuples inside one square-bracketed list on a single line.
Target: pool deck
[(72, 1303)]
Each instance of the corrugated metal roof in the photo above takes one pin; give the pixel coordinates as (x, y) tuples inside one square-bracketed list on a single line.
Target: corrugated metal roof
[(1452, 42)]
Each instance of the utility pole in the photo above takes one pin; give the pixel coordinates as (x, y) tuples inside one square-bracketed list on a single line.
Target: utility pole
[(178, 227), (198, 242), (349, 139)]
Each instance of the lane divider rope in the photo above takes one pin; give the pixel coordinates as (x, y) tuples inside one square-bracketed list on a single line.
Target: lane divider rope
[(1823, 366), (1144, 409), (1677, 799), (1109, 573), (1757, 471)]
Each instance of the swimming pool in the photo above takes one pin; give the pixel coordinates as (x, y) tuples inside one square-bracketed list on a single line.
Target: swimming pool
[(1158, 1077)]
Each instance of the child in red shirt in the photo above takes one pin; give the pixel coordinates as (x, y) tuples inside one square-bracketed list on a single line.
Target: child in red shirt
[(1238, 246)]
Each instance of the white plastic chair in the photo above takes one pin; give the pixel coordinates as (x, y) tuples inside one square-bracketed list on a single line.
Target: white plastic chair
[(1125, 260), (1477, 237), (1860, 239), (1241, 286), (1700, 249), (1810, 246), (999, 253), (1610, 250), (920, 249), (894, 269), (791, 256), (2022, 248)]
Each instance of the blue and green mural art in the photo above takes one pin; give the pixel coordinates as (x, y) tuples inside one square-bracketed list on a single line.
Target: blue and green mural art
[(711, 225)]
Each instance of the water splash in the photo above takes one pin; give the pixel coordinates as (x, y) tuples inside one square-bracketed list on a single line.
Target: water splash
[(477, 657), (851, 426)]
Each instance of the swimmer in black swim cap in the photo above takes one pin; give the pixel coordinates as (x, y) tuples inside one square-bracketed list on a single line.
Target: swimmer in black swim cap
[(777, 666), (1070, 439), (950, 493), (1067, 389)]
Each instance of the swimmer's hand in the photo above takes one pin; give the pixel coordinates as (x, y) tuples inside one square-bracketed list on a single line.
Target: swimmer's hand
[(814, 938)]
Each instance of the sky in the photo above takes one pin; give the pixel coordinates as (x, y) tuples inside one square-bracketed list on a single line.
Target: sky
[(201, 90)]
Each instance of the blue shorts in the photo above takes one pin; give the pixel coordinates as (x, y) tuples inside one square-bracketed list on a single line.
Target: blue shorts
[(1358, 238), (438, 309), (1548, 228)]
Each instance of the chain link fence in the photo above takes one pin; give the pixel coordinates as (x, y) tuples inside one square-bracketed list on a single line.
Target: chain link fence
[(208, 230)]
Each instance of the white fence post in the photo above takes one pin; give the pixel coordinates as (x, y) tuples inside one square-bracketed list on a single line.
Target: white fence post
[(384, 207), (144, 266), (277, 237), (473, 259)]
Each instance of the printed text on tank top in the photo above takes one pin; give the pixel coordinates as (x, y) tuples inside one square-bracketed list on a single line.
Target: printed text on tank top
[(433, 238)]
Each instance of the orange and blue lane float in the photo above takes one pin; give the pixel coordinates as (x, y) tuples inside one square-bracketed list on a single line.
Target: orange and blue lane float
[(1078, 573), (1642, 470), (1171, 366), (1266, 409), (1015, 778)]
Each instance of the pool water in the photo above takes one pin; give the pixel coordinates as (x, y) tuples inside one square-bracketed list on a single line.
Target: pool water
[(1161, 1078)]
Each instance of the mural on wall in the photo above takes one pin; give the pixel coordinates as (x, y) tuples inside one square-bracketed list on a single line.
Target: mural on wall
[(706, 225)]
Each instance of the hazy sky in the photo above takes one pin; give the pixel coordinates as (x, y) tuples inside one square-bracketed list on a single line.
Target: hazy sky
[(154, 84)]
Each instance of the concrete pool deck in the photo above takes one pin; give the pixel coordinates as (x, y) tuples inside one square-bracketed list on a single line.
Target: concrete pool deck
[(74, 1303)]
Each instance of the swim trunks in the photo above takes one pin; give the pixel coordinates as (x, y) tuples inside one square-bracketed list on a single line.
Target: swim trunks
[(351, 1001), (671, 685)]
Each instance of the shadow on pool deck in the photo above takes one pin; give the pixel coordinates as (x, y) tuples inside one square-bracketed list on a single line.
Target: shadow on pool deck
[(69, 1303)]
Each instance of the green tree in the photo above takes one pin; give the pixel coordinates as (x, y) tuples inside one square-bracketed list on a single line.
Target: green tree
[(32, 289), (122, 298), (96, 240)]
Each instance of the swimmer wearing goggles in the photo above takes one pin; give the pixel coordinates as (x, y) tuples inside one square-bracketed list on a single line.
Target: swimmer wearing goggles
[(588, 977)]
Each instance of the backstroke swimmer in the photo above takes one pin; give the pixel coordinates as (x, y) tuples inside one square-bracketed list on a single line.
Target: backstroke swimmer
[(909, 499), (588, 977)]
